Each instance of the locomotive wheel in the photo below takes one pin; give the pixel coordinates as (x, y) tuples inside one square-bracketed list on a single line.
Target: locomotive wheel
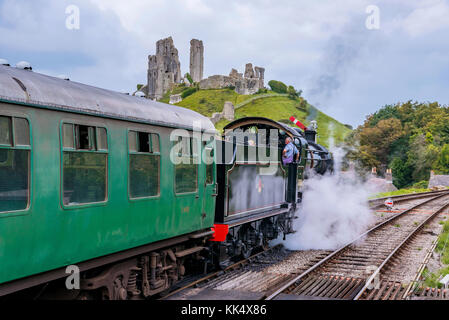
[(265, 244), (246, 251)]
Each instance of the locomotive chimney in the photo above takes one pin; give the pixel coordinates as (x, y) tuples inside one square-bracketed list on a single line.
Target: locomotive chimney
[(310, 132)]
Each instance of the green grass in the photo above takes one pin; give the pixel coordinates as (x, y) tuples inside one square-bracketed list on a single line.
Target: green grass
[(176, 90), (443, 243), (432, 279), (276, 107), (207, 102), (398, 192), (282, 108), (221, 124)]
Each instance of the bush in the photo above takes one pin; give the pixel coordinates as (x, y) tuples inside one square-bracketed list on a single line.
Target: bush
[(302, 105), (292, 94), (189, 77), (277, 86), (188, 92), (402, 173), (421, 185), (262, 90)]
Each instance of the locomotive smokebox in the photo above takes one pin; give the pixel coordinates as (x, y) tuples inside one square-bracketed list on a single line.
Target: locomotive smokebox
[(310, 135)]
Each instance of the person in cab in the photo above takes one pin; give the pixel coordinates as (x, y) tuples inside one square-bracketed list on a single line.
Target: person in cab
[(290, 152)]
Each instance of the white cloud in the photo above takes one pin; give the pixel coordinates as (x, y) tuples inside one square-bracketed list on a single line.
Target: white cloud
[(432, 16), (321, 47)]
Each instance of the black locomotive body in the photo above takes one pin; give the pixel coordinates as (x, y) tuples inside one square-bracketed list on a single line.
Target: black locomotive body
[(257, 194)]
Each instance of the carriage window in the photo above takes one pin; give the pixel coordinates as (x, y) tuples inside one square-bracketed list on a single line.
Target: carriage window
[(14, 164), (144, 164), (102, 139), (85, 166), (186, 173), (132, 141), (209, 166), (21, 132), (67, 136), (155, 142), (5, 131), (85, 138), (143, 142)]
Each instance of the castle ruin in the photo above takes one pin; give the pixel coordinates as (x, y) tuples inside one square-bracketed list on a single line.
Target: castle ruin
[(196, 60), (248, 83), (164, 69)]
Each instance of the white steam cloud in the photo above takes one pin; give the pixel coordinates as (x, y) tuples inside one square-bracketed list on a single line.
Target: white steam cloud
[(334, 210)]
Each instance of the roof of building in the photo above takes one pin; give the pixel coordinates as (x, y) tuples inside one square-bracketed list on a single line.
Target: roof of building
[(380, 185), (439, 180), (39, 90)]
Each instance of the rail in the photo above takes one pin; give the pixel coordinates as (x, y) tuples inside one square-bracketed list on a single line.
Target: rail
[(295, 279)]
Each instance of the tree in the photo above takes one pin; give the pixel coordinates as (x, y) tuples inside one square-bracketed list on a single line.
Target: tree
[(412, 138), (292, 94), (277, 86), (420, 157), (443, 160), (380, 138), (402, 173)]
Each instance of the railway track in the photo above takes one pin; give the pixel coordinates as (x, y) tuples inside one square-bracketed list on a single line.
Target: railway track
[(352, 270), (255, 280), (259, 260), (379, 202)]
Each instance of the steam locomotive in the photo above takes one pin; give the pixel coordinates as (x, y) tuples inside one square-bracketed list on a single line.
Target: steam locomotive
[(88, 184)]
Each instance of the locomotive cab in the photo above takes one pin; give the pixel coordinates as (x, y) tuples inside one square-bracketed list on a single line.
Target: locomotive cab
[(257, 193)]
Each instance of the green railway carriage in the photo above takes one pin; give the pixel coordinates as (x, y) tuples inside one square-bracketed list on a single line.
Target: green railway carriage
[(86, 175)]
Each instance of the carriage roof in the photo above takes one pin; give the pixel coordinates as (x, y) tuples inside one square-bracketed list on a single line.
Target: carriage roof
[(39, 90)]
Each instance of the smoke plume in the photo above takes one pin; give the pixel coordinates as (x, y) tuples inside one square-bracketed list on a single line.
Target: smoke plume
[(333, 211)]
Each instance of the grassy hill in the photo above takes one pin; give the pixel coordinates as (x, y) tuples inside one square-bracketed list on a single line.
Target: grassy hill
[(271, 105)]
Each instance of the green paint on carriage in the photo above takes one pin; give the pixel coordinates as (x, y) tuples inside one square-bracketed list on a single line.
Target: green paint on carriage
[(49, 234)]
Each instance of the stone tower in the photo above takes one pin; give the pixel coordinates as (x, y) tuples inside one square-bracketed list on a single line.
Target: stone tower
[(260, 73), (249, 71), (196, 60), (164, 69)]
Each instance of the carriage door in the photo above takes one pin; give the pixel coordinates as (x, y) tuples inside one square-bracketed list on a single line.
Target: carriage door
[(209, 185)]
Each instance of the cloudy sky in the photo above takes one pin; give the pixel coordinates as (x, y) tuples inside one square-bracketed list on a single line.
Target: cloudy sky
[(322, 47)]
